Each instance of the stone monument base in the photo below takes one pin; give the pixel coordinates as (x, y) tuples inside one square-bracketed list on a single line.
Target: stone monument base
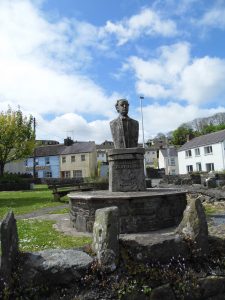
[(126, 170), (139, 211)]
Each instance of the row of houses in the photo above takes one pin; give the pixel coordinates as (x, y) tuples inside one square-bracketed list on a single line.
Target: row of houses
[(80, 159)]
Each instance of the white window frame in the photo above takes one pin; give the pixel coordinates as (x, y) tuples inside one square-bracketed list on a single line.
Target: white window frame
[(197, 152), (189, 168), (188, 153), (197, 167), (63, 159), (208, 150), (211, 167), (82, 157), (77, 174), (67, 174), (73, 159)]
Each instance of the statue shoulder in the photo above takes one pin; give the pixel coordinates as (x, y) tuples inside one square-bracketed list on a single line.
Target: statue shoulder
[(113, 121)]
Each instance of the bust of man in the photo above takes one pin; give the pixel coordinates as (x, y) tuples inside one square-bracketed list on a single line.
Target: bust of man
[(124, 129)]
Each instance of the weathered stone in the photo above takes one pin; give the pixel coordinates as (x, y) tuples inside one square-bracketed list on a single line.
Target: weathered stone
[(212, 287), (158, 246), (162, 292), (194, 228), (54, 267), (126, 170), (106, 237), (9, 245), (151, 210)]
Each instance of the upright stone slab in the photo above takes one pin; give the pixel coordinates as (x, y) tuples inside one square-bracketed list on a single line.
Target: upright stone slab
[(126, 170), (106, 237), (194, 227), (9, 245)]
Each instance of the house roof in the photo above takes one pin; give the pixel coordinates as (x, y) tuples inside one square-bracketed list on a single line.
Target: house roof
[(168, 152), (204, 140), (61, 149), (105, 145)]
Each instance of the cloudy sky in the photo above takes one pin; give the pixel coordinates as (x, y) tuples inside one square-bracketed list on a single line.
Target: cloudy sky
[(66, 62)]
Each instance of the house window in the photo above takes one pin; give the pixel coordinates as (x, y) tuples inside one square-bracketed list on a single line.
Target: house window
[(77, 173), (82, 157), (209, 167), (208, 150), (63, 159), (197, 152), (173, 172), (189, 168), (171, 161), (73, 158), (36, 162), (188, 153), (47, 161), (26, 163), (198, 167), (48, 174), (67, 174)]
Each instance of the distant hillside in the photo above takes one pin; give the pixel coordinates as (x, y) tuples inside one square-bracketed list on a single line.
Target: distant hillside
[(199, 123)]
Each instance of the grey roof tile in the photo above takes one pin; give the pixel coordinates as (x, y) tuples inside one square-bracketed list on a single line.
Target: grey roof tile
[(204, 140), (61, 149)]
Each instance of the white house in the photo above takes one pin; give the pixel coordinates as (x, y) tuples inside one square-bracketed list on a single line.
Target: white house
[(204, 153), (168, 160)]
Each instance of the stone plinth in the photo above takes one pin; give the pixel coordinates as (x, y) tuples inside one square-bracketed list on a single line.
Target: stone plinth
[(138, 211), (126, 170)]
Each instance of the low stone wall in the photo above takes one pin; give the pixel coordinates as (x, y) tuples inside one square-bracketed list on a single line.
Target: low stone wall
[(139, 211)]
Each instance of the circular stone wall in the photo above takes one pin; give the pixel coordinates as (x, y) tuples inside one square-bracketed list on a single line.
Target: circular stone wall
[(139, 211)]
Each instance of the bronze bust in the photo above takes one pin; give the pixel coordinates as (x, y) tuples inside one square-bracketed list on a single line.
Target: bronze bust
[(124, 129)]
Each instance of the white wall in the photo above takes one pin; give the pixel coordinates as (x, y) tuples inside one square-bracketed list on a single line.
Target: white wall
[(217, 158)]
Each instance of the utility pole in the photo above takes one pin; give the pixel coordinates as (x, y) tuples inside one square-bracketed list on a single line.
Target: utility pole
[(34, 155), (143, 137)]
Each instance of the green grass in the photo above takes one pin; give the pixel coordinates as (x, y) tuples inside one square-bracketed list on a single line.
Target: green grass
[(22, 202), (36, 235), (209, 209)]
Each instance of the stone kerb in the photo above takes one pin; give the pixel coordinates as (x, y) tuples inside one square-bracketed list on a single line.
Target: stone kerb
[(9, 245), (106, 237), (126, 170)]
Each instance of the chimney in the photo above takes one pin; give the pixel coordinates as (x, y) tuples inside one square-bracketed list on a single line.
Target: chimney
[(68, 141)]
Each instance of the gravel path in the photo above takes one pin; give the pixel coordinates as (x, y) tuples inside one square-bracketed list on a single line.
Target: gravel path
[(40, 212)]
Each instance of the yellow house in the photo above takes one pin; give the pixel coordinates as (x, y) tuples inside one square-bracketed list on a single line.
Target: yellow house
[(78, 160)]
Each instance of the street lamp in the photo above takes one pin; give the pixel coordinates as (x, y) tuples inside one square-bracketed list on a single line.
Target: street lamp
[(142, 122), (143, 136)]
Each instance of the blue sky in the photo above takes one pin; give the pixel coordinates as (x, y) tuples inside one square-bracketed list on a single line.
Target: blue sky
[(67, 62)]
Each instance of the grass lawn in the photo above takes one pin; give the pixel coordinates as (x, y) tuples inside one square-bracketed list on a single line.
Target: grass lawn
[(36, 235), (22, 202)]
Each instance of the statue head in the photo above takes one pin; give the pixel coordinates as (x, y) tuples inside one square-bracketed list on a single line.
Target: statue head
[(122, 107)]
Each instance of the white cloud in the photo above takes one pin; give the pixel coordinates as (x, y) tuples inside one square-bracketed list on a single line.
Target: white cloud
[(37, 58), (203, 80), (168, 117), (75, 126), (176, 76), (213, 18), (147, 22)]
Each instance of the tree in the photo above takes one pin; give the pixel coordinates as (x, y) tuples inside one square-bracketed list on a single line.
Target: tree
[(17, 138), (180, 135)]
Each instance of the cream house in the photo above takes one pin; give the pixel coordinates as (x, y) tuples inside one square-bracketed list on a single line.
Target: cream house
[(78, 160)]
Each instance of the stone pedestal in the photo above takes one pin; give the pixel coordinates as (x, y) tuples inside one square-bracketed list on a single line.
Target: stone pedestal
[(126, 170), (145, 211)]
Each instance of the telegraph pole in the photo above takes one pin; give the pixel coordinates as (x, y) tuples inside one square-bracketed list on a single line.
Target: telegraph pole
[(34, 155), (143, 137)]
